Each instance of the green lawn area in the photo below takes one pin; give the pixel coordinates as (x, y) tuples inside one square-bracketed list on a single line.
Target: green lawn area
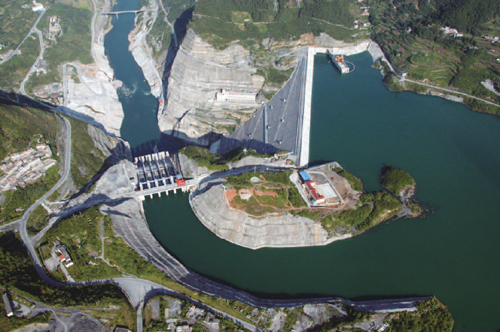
[(239, 17)]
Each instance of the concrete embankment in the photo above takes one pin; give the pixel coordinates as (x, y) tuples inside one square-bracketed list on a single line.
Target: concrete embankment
[(281, 231), (128, 218)]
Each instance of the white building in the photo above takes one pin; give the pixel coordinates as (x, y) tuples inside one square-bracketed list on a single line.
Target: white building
[(235, 97)]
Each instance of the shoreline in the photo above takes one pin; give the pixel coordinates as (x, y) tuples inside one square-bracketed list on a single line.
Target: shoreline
[(142, 56), (305, 125), (95, 99)]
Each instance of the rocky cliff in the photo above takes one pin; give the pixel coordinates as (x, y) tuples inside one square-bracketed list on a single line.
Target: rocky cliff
[(211, 208), (109, 145), (113, 186), (198, 72), (142, 54)]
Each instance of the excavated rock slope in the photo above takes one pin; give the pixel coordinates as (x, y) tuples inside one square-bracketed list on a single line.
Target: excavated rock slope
[(109, 145), (211, 208), (198, 73)]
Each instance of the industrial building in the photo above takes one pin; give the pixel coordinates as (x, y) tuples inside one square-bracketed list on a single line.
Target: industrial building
[(317, 188), (155, 170), (316, 198)]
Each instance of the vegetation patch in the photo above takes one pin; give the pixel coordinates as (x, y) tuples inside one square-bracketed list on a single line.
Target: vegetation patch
[(80, 233), (275, 76), (347, 219), (385, 206), (215, 161), (20, 125), (14, 323), (124, 259), (353, 317), (411, 38), (220, 22), (261, 193), (431, 313), (86, 160), (354, 181), (37, 220), (19, 275), (395, 180)]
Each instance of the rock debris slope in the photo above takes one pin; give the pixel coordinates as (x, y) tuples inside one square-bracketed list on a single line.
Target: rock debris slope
[(198, 73)]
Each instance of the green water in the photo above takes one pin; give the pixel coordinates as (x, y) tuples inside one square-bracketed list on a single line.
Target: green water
[(452, 152), (140, 124)]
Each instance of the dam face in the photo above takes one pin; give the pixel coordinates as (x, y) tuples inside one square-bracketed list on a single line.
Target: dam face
[(283, 123)]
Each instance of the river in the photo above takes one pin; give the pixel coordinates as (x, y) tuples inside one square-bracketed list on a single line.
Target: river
[(452, 152)]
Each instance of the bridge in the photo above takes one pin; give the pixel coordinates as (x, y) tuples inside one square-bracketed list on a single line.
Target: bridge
[(125, 12), (190, 185)]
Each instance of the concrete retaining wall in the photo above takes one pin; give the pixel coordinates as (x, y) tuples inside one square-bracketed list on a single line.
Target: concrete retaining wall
[(211, 208)]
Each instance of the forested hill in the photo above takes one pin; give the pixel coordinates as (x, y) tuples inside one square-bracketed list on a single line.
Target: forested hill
[(281, 19), (285, 10), (465, 15)]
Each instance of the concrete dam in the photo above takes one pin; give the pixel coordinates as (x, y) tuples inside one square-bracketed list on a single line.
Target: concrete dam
[(282, 123)]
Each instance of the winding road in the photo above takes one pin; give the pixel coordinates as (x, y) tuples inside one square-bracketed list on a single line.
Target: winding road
[(32, 30), (448, 90), (37, 61)]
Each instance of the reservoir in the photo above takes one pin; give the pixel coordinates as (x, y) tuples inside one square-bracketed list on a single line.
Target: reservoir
[(452, 152)]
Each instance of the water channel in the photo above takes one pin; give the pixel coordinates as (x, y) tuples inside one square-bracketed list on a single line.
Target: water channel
[(452, 152)]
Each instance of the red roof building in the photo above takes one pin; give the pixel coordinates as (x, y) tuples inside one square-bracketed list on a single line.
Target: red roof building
[(317, 198)]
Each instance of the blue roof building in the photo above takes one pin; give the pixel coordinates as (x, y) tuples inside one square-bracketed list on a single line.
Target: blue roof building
[(305, 176)]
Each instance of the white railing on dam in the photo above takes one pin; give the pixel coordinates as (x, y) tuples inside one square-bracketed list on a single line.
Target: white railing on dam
[(306, 113)]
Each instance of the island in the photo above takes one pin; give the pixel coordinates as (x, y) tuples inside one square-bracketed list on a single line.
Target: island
[(277, 205)]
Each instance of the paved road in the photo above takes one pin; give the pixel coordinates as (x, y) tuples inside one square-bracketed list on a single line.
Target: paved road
[(32, 30), (66, 169), (168, 22), (451, 91), (37, 61)]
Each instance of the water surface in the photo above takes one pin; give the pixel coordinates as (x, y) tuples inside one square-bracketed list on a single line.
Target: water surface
[(452, 152)]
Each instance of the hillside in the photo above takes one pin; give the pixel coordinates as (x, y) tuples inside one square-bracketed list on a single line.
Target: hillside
[(464, 57), (22, 128), (222, 21)]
